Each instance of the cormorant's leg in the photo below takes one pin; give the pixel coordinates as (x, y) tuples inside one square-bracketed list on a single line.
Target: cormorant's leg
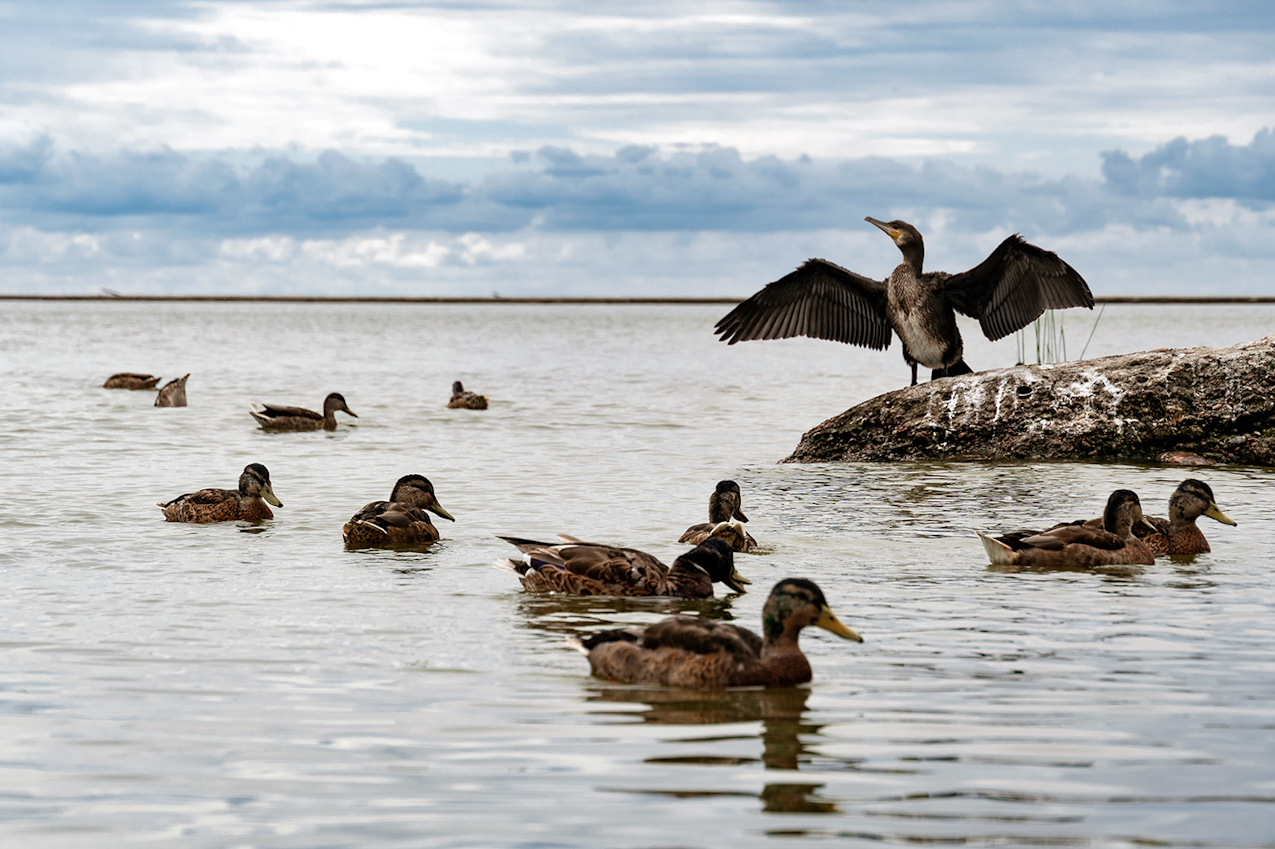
[(958, 367), (914, 374)]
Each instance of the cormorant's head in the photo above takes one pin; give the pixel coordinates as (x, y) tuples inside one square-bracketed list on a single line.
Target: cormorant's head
[(903, 233)]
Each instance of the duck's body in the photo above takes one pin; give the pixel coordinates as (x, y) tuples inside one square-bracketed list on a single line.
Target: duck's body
[(248, 503), (173, 394), (400, 521), (130, 380), (465, 400), (1078, 545), (1005, 292), (1178, 534), (691, 652), (723, 505), (274, 417), (576, 567)]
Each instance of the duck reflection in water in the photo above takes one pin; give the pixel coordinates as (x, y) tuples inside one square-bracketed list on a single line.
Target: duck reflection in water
[(779, 710)]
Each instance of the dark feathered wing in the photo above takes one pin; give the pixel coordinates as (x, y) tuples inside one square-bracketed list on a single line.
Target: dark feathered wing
[(1012, 287), (821, 300), (702, 636), (274, 411)]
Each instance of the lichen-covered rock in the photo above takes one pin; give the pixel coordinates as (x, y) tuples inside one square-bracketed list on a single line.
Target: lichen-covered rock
[(1218, 403)]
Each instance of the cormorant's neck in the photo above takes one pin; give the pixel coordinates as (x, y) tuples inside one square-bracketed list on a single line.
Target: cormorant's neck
[(913, 255)]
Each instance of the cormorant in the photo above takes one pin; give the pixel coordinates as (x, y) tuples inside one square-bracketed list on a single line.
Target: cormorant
[(1005, 292)]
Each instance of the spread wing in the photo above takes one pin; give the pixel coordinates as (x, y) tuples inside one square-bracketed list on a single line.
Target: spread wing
[(821, 300), (274, 411), (1012, 287)]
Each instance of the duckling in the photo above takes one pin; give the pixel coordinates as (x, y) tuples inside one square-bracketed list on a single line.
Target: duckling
[(227, 505), (587, 568), (687, 651), (130, 380), (723, 505), (273, 417), (462, 400), (173, 394), (1178, 534), (400, 521), (1076, 544)]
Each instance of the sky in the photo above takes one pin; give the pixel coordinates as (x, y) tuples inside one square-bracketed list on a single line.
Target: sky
[(550, 148)]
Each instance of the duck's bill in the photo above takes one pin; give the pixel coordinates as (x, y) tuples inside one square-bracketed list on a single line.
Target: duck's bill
[(1146, 523), (268, 494), (351, 412), (438, 509), (829, 622), (736, 582), (739, 514), (1214, 513)]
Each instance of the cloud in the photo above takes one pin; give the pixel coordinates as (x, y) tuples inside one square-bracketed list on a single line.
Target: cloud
[(1206, 168)]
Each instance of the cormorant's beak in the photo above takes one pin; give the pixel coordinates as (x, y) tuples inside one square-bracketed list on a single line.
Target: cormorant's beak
[(885, 228), (438, 508), (736, 582), (829, 621), (268, 494), (1214, 513)]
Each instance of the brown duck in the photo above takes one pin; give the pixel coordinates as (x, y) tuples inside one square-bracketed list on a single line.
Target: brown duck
[(586, 568), (130, 380), (173, 394), (465, 400), (687, 651), (723, 505), (226, 505), (273, 417), (1178, 533), (400, 521), (1078, 545)]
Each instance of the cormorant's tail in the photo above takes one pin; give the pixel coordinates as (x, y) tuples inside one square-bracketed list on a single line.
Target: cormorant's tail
[(958, 367)]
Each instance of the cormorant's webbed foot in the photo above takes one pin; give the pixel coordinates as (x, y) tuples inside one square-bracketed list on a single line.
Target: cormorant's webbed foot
[(958, 367)]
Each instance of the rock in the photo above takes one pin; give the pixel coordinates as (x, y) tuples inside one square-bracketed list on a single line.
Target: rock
[(1217, 404)]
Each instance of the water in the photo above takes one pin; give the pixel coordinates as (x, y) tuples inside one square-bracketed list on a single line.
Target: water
[(210, 686)]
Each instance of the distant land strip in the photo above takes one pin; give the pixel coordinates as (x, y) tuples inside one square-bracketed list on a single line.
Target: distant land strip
[(466, 299)]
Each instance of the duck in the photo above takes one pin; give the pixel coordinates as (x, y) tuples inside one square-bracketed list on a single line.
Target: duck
[(723, 505), (1005, 292), (689, 651), (400, 521), (577, 567), (464, 400), (130, 380), (1076, 544), (173, 394), (1178, 534), (273, 417), (248, 503)]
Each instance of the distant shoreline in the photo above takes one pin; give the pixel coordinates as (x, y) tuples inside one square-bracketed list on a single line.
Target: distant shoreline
[(459, 299)]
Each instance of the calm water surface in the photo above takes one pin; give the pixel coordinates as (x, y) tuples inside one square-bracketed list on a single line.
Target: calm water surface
[(231, 685)]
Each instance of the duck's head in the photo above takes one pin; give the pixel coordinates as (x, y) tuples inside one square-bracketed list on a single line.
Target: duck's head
[(795, 603), (1123, 511), (457, 387), (717, 558), (417, 491), (255, 481), (1194, 498), (904, 234), (336, 401), (725, 502)]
